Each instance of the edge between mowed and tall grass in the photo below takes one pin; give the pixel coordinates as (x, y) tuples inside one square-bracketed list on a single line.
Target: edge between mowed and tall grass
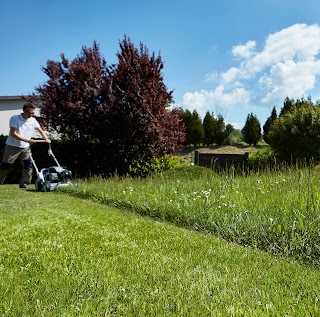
[(65, 256), (275, 211)]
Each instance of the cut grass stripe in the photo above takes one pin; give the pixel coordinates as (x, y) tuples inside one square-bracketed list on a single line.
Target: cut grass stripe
[(63, 256)]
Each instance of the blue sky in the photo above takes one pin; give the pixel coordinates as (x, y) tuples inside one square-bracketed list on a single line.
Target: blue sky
[(228, 57)]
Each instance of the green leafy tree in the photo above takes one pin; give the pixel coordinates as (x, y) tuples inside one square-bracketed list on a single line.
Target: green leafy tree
[(268, 124), (252, 130), (290, 105), (235, 136), (295, 135), (228, 133)]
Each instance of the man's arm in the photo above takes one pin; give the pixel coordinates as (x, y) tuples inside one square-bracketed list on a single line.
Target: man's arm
[(14, 133)]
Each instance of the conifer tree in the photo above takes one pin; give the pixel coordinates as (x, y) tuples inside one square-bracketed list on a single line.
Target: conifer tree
[(252, 130), (196, 133), (219, 136), (268, 124), (185, 116), (209, 126)]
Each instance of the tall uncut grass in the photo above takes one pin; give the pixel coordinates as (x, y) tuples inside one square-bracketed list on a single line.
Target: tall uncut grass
[(276, 211)]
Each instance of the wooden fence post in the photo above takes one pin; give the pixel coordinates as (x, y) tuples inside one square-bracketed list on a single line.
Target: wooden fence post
[(196, 157)]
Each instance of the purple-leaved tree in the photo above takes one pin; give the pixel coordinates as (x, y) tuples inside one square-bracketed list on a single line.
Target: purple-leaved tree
[(120, 111)]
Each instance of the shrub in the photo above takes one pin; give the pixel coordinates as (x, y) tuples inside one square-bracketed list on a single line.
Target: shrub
[(156, 165), (262, 158)]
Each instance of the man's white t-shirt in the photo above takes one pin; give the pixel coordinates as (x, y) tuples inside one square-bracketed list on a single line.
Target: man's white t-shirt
[(25, 127)]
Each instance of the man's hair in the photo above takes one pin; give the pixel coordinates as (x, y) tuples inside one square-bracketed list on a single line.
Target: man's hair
[(28, 105)]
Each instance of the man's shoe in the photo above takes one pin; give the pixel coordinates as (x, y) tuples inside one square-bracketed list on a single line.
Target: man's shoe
[(23, 186)]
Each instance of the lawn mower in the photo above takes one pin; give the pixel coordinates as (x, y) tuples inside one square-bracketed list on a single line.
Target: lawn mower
[(52, 177)]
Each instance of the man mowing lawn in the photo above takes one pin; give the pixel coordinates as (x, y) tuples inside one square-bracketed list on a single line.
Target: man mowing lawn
[(18, 142)]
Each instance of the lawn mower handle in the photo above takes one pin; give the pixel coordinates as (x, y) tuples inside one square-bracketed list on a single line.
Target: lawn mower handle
[(50, 153)]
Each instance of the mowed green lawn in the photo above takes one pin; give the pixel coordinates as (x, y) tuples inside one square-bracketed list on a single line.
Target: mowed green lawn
[(63, 256)]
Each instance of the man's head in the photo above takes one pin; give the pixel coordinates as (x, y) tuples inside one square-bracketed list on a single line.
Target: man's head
[(29, 109)]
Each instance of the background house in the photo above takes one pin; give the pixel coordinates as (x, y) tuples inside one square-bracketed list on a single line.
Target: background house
[(9, 106)]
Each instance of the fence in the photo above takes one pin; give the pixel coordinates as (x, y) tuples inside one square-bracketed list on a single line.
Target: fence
[(220, 162)]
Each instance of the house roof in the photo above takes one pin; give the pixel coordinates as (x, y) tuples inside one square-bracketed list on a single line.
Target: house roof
[(10, 97), (13, 97)]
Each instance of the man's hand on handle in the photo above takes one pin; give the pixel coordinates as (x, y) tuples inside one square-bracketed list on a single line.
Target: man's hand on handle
[(32, 141)]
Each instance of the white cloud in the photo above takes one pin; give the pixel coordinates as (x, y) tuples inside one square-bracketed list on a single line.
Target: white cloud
[(205, 100), (287, 65), (236, 125), (230, 75), (298, 42), (244, 51), (236, 96), (211, 76), (291, 79), (202, 101)]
